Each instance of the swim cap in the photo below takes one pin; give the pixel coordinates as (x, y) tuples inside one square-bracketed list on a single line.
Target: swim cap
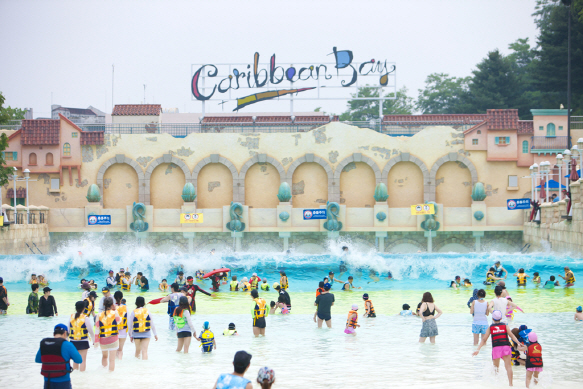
[(265, 373), (532, 337), (365, 296), (497, 315), (206, 325), (354, 307), (579, 309)]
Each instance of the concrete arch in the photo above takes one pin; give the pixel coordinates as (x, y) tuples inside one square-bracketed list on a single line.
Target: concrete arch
[(406, 157), (216, 158), (166, 158), (121, 158), (259, 158), (451, 157), (333, 187), (356, 157)]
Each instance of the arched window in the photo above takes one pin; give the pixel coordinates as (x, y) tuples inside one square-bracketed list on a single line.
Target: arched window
[(66, 150), (479, 132), (550, 129), (525, 147), (32, 159), (49, 161)]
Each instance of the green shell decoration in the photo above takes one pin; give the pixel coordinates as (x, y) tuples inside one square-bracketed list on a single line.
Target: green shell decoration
[(284, 216), (478, 192), (381, 216), (478, 215), (380, 192), (284, 194), (236, 213), (93, 195), (333, 212), (188, 193)]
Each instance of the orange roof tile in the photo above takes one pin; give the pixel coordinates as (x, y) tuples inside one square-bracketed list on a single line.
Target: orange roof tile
[(436, 119), (137, 110), (40, 132), (502, 119), (525, 127)]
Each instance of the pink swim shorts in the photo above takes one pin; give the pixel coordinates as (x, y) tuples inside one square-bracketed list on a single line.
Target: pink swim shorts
[(349, 330), (501, 351), (539, 369)]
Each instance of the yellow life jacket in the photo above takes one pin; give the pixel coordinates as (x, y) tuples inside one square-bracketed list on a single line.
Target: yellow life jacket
[(234, 285), (207, 338), (261, 307), (122, 311), (283, 283), (521, 279), (141, 320), (121, 277), (125, 285), (34, 282), (254, 283), (570, 279), (78, 328), (265, 286), (536, 279), (352, 322), (89, 308), (107, 324), (490, 277), (229, 332), (246, 286)]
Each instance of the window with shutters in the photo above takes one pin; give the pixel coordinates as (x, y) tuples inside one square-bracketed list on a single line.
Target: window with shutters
[(474, 142), (66, 150)]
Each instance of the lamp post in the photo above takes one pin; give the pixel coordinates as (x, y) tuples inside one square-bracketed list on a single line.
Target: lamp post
[(560, 164), (567, 3), (535, 173), (544, 168), (580, 148), (27, 177), (14, 178), (532, 186), (567, 156)]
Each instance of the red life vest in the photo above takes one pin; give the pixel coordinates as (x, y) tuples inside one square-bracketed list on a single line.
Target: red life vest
[(53, 363), (534, 356), (499, 335)]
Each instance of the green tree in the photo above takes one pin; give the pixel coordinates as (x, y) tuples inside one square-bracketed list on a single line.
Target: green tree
[(365, 110), (494, 84), (6, 114), (443, 94)]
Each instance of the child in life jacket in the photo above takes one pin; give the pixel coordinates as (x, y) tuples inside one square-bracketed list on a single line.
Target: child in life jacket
[(231, 330), (534, 358), (521, 277), (234, 285), (352, 321), (368, 307), (265, 285), (510, 311), (406, 310), (536, 278), (207, 339)]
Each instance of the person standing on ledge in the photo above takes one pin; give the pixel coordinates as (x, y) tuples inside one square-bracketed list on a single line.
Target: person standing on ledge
[(55, 354), (4, 303), (47, 306), (569, 277)]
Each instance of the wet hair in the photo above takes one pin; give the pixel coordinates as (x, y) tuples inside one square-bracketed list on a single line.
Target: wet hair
[(255, 293), (140, 273), (521, 270), (467, 280), (282, 273), (234, 278), (406, 307), (492, 269), (321, 284), (427, 297), (175, 286), (452, 284), (498, 290), (118, 295), (535, 274), (182, 305), (481, 293), (82, 281), (164, 280), (140, 302), (79, 307), (34, 287), (552, 278), (272, 304), (344, 247), (326, 278), (509, 298), (108, 303)]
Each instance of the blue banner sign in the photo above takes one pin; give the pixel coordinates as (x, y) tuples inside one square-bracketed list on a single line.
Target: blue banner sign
[(99, 220), (314, 214), (518, 204)]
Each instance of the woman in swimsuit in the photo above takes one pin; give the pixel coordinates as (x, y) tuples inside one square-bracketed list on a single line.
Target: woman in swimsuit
[(427, 310)]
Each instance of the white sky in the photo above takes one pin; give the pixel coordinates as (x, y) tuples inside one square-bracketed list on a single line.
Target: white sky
[(66, 48)]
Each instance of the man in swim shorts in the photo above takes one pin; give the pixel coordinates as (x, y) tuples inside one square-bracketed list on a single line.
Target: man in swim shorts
[(324, 303)]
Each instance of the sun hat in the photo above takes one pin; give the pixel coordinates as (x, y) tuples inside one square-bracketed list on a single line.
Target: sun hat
[(265, 373), (275, 285), (354, 307), (532, 337), (497, 315)]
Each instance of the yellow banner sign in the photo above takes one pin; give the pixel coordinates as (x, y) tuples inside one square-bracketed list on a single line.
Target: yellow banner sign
[(191, 217), (422, 209)]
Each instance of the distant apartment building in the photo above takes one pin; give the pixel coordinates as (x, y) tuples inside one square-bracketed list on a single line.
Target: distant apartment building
[(89, 115)]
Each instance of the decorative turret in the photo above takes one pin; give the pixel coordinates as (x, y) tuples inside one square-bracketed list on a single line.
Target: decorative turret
[(380, 192), (93, 195), (478, 192), (188, 193), (284, 193)]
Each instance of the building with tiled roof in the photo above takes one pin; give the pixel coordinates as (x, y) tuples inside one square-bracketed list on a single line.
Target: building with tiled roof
[(137, 114), (90, 115)]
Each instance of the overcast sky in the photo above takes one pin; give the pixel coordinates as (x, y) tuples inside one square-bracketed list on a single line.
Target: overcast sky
[(62, 51)]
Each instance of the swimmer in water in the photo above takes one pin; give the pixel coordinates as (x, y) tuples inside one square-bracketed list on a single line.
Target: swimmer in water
[(521, 277), (281, 305), (536, 278), (579, 314), (164, 287), (332, 279), (467, 283), (33, 279), (373, 275), (213, 252), (491, 277), (348, 285)]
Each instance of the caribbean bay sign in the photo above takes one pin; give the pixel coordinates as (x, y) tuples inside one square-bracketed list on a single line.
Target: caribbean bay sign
[(250, 83)]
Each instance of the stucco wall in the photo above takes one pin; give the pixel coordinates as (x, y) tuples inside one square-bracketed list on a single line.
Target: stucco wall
[(309, 186), (41, 158), (214, 186), (261, 185), (120, 187), (501, 152), (166, 184), (67, 132), (135, 119), (481, 134), (525, 159), (543, 121), (357, 183), (405, 185), (454, 187)]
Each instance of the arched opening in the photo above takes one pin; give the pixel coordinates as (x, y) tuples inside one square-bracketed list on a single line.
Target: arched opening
[(166, 184), (120, 186), (261, 185), (66, 150), (405, 185), (357, 184), (32, 159), (49, 159), (524, 147), (550, 129), (214, 186), (453, 185), (309, 186)]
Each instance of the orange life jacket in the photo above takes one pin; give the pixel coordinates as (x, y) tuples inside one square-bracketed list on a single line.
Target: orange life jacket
[(350, 321)]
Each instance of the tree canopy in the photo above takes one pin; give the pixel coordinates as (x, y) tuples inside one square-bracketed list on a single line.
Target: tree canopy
[(6, 115)]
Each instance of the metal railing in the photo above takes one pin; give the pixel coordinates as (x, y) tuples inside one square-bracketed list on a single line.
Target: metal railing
[(549, 143)]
